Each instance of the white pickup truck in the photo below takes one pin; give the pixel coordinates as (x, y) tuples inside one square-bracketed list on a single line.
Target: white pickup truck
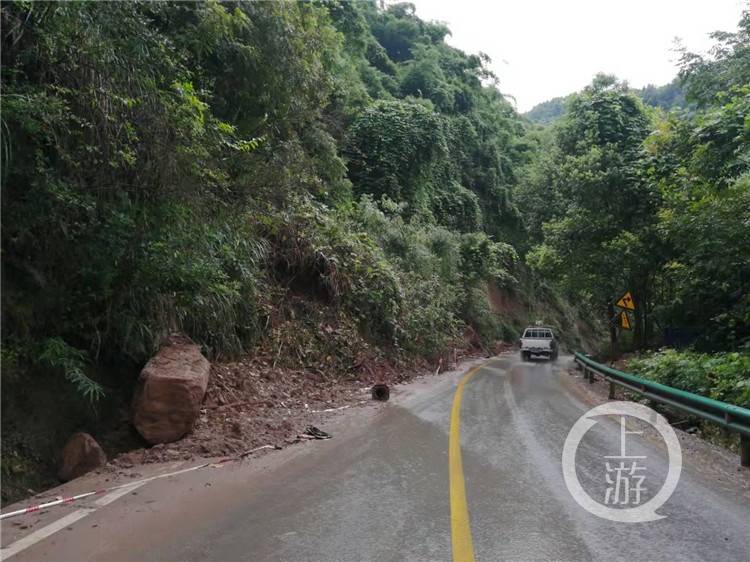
[(538, 341)]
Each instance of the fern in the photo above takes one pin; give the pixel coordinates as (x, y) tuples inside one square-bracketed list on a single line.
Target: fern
[(57, 354)]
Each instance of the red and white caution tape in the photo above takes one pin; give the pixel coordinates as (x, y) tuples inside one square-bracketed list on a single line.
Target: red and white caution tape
[(63, 500), (57, 501)]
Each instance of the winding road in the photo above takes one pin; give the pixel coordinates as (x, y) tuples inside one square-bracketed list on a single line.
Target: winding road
[(405, 481)]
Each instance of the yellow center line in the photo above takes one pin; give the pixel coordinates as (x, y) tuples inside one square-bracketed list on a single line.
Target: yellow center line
[(463, 547)]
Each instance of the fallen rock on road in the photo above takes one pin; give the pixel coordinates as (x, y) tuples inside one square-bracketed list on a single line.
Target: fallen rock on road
[(170, 391)]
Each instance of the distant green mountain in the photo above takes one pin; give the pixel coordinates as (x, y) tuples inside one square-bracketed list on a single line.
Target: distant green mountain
[(547, 111), (667, 97)]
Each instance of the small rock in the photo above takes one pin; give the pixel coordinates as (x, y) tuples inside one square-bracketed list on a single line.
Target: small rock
[(80, 455)]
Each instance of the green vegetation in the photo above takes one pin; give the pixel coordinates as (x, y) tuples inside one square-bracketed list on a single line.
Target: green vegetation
[(626, 197), (655, 203), (548, 111), (667, 97), (721, 376), (598, 239), (233, 170)]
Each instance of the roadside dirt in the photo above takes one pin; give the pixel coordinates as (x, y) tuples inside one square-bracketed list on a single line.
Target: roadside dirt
[(270, 406), (251, 403), (223, 479)]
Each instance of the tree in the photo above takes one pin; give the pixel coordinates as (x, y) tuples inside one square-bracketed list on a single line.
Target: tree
[(726, 66), (603, 239)]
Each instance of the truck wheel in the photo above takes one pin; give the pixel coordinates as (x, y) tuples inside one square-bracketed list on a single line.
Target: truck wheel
[(525, 355)]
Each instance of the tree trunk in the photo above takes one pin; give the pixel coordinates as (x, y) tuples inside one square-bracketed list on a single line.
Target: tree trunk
[(612, 329), (639, 314)]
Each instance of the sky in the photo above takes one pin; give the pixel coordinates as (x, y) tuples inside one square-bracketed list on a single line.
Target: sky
[(541, 49)]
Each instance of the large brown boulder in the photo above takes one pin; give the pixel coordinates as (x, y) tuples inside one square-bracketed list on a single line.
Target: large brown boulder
[(80, 455), (170, 390)]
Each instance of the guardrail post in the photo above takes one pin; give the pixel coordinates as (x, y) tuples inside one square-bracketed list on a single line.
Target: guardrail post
[(591, 376), (611, 390), (744, 449)]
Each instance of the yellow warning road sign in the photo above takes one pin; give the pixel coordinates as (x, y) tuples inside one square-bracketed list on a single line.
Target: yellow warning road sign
[(624, 321), (626, 301)]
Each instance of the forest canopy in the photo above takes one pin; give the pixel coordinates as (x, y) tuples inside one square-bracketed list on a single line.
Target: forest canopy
[(657, 202)]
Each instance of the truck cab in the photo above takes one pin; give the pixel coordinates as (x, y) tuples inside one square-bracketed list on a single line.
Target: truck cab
[(538, 341)]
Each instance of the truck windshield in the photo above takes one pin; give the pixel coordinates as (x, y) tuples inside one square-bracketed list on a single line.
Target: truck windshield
[(540, 334)]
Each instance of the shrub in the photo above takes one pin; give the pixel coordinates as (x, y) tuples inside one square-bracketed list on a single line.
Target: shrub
[(322, 255), (721, 376), (429, 324)]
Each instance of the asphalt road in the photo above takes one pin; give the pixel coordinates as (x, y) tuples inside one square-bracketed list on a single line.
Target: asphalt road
[(386, 488)]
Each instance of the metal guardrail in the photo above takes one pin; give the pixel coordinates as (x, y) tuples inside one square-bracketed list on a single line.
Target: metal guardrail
[(729, 416)]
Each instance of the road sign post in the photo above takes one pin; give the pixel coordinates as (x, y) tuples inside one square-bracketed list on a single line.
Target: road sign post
[(620, 319)]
